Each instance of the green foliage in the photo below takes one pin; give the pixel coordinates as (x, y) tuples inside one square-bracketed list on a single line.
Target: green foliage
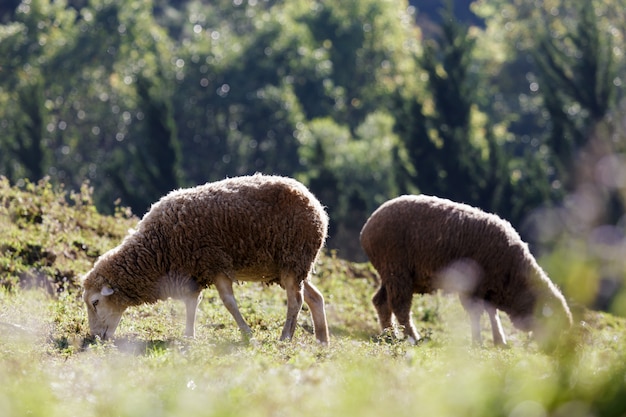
[(569, 58), (577, 71), (453, 149), (29, 130), (147, 96), (370, 46), (339, 171), (49, 237)]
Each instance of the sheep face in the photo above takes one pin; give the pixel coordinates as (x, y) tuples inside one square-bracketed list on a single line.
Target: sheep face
[(552, 321), (550, 317), (549, 320), (524, 323), (104, 315)]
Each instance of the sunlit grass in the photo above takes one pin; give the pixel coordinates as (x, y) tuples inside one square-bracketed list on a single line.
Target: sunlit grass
[(48, 368), (151, 370)]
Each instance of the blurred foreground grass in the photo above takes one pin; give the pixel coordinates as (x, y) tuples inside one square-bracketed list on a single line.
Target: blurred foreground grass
[(48, 238), (151, 370)]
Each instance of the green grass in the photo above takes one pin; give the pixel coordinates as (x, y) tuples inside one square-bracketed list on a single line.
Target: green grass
[(47, 368)]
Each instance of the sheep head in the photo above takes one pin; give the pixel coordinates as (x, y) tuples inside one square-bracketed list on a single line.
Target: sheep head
[(103, 312), (552, 318), (545, 314)]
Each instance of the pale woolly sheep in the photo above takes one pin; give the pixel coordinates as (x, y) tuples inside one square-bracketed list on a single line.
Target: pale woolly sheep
[(419, 244), (260, 228)]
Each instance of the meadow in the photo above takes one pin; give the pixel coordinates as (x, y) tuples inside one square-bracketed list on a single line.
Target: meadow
[(49, 237)]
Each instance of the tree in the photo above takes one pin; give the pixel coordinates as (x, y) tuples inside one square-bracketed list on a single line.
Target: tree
[(452, 148), (29, 130), (152, 167), (569, 57), (577, 71), (147, 161), (28, 44), (250, 84), (351, 175), (370, 46)]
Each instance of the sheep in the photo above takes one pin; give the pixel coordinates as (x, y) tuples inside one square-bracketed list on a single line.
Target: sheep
[(420, 244), (261, 228)]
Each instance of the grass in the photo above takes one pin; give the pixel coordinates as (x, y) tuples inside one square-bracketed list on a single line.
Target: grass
[(47, 368)]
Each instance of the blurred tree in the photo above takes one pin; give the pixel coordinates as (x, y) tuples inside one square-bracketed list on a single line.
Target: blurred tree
[(261, 79), (577, 72), (460, 136), (104, 99), (147, 158), (456, 162), (370, 45), (157, 93), (351, 175), (39, 30), (152, 162), (429, 14), (569, 57), (29, 130), (7, 10), (237, 92), (452, 146)]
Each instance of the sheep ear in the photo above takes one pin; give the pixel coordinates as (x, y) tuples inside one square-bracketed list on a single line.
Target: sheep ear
[(106, 290)]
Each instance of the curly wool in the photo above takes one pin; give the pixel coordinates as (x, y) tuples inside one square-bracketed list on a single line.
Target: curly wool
[(249, 228)]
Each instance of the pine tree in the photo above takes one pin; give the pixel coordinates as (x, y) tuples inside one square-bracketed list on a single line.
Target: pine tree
[(154, 161), (447, 162), (577, 70), (29, 130)]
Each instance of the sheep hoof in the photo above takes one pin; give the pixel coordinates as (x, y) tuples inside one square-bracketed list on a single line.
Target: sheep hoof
[(247, 337), (478, 344), (322, 343), (252, 342), (412, 341)]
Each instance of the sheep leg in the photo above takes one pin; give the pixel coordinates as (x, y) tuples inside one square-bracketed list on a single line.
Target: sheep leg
[(294, 290), (474, 309), (315, 301), (381, 303), (191, 305), (225, 289), (400, 302), (496, 326)]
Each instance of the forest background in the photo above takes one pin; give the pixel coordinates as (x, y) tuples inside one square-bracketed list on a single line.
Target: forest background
[(515, 106)]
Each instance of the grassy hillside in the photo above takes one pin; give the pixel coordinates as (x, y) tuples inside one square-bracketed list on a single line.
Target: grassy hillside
[(48, 238)]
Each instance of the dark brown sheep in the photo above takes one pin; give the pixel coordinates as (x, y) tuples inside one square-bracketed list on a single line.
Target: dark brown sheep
[(255, 228), (419, 244)]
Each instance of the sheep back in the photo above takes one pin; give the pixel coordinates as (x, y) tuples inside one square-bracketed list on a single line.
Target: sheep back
[(249, 228), (419, 236)]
